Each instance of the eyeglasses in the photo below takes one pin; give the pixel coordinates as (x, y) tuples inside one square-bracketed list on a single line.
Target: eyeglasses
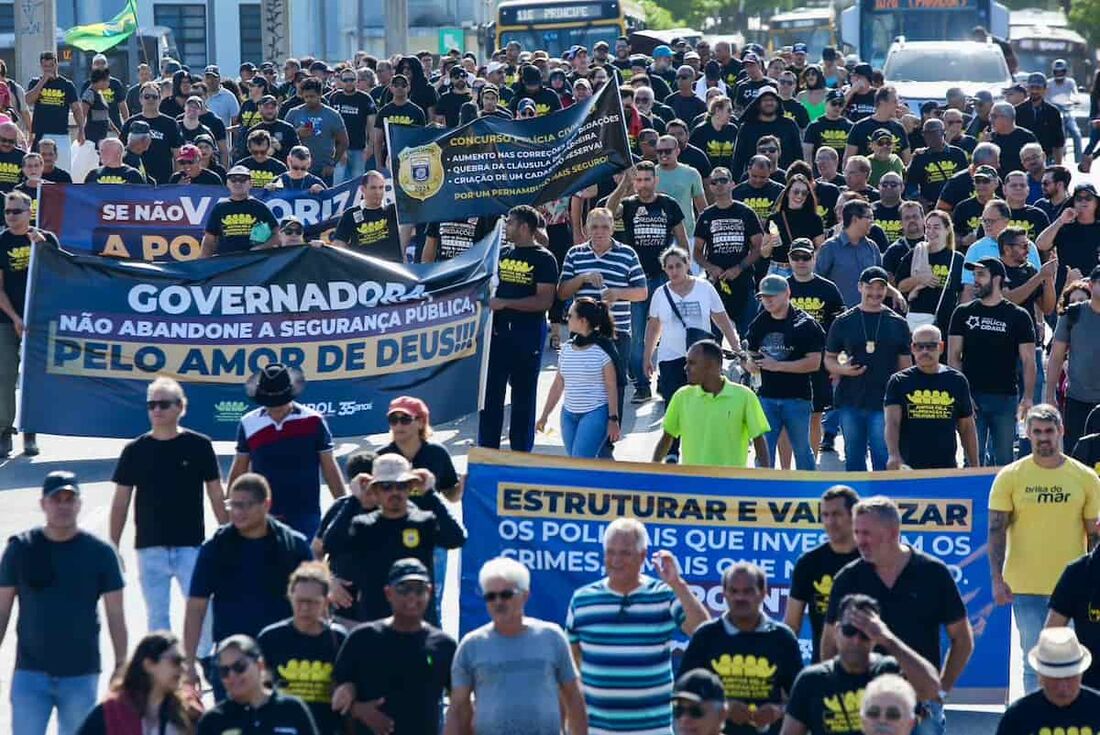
[(503, 596), (8, 141), (786, 82), (850, 631), (240, 504), (769, 149), (891, 714), (162, 405), (990, 220), (14, 212), (348, 80), (405, 589), (800, 192), (665, 151), (400, 418), (389, 487), (694, 711), (926, 346), (239, 179), (237, 667), (884, 142), (150, 96), (720, 180)]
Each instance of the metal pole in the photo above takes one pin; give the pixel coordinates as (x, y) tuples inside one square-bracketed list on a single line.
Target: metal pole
[(397, 27)]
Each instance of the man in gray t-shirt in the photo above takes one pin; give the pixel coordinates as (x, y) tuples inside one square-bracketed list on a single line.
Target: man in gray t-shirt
[(320, 128), (1078, 331), (515, 667)]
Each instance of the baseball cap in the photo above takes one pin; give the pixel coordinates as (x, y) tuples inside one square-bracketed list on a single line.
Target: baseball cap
[(699, 685), (457, 71), (991, 264), (140, 128), (318, 66), (1059, 65), (212, 71), (99, 58), (268, 99), (247, 66), (409, 569), (802, 244), (864, 70), (1036, 79), (691, 55), (601, 45), (59, 480), (748, 58), (872, 274), (772, 285), (986, 172), (662, 51), (881, 133), (267, 66), (189, 153), (834, 94), (525, 103), (238, 170), (410, 405), (258, 82), (392, 468), (201, 138), (494, 67), (799, 48), (984, 96), (1084, 186), (1017, 88)]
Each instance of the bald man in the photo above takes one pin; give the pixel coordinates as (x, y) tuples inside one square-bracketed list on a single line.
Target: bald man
[(112, 170), (926, 405)]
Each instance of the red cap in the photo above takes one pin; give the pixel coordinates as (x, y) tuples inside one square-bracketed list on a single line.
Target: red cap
[(410, 405), (189, 153)]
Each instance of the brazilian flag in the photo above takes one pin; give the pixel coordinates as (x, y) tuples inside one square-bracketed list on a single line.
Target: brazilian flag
[(106, 35)]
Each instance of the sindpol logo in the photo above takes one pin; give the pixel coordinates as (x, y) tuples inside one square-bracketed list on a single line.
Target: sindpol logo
[(230, 411), (420, 173)]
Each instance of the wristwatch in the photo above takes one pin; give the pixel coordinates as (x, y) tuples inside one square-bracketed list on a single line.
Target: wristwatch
[(613, 417)]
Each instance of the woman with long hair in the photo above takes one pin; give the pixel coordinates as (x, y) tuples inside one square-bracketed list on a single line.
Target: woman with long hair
[(931, 271), (588, 379), (420, 89), (795, 216), (149, 697), (812, 96)]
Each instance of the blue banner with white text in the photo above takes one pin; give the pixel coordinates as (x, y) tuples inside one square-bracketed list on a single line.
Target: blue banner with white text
[(550, 513)]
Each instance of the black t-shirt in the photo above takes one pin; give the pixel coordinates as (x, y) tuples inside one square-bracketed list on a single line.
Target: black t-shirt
[(57, 176), (648, 228), (11, 169), (1010, 147), (726, 234), (114, 175), (1077, 597), (432, 457), (283, 138), (355, 108), (827, 196), (263, 172), (860, 105), (930, 407), (812, 581), (828, 133), (1087, 452), (521, 271), (1077, 246), (1033, 220), (717, 144), (947, 266), (777, 654), (958, 187), (761, 200), (992, 336), (692, 156), (795, 110), (372, 232), (417, 672), (459, 236), (189, 134), (747, 90), (59, 584), (51, 111), (134, 161), (407, 114), (891, 259), (232, 222), (1016, 276), (97, 116), (450, 104), (686, 107), (546, 100), (861, 132), (1034, 714), (889, 219), (966, 218), (169, 478), (826, 698), (785, 340), (931, 170), (280, 713), (249, 114), (819, 297), (113, 96), (205, 176), (302, 666), (923, 598), (15, 258), (171, 107), (853, 332), (165, 135), (793, 224)]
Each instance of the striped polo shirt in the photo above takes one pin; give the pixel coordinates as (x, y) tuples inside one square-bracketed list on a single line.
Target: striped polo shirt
[(619, 267), (626, 648)]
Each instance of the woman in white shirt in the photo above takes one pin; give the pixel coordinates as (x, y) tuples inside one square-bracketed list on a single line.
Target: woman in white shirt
[(681, 313), (586, 376)]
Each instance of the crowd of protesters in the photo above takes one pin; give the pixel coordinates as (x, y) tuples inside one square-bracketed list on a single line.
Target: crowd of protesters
[(910, 280)]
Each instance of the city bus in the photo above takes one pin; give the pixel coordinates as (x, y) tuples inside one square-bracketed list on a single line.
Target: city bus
[(871, 26), (556, 25), (814, 27)]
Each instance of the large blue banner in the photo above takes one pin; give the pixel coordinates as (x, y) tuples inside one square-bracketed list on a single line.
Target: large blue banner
[(166, 222), (362, 331), (490, 165), (550, 514)]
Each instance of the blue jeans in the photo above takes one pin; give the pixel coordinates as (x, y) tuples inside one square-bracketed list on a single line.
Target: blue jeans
[(439, 570), (353, 169), (35, 694), (584, 433), (794, 414), (995, 416), (1023, 444), (304, 523), (863, 427), (935, 723), (1030, 612), (639, 314), (157, 566), (1069, 125)]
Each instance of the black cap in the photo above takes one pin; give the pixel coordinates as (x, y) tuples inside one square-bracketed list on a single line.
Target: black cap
[(712, 70), (864, 70), (986, 172), (834, 94), (991, 264), (873, 273), (267, 66), (699, 685), (407, 569), (318, 66), (248, 65), (59, 480), (881, 133), (1086, 187), (268, 99), (200, 138), (802, 244)]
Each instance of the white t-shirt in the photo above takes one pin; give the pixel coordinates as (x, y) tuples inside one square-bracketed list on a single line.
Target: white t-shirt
[(582, 371), (702, 301)]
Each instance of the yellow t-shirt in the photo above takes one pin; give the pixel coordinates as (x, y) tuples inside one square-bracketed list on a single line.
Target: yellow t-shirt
[(715, 430), (1049, 507)]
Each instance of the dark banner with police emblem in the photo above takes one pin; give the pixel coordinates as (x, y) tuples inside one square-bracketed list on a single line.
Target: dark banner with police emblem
[(490, 165), (363, 331)]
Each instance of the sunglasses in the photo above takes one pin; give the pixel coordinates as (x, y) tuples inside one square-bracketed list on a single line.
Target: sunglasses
[(503, 596), (786, 82), (694, 711), (150, 96), (13, 212), (720, 181), (389, 487), (411, 588), (889, 185), (665, 151), (925, 346), (769, 149), (162, 405), (884, 142), (8, 141), (239, 179), (850, 631), (401, 85), (237, 667), (400, 418), (836, 103), (801, 257), (800, 192), (347, 80), (891, 714), (1084, 198)]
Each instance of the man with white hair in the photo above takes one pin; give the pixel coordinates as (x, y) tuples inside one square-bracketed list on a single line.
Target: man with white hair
[(1008, 136), (112, 169), (627, 676), (1062, 704), (518, 667)]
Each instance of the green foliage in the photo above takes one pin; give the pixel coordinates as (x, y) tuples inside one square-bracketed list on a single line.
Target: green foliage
[(1084, 17), (657, 18)]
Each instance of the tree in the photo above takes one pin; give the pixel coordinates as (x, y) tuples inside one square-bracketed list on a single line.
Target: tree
[(1084, 17), (656, 17)]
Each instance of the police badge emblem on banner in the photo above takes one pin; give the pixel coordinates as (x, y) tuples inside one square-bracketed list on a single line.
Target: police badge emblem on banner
[(490, 165)]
